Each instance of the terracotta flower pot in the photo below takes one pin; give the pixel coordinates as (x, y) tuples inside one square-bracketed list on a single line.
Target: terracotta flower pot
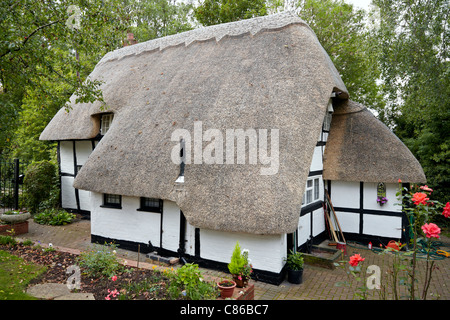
[(240, 283), (226, 288)]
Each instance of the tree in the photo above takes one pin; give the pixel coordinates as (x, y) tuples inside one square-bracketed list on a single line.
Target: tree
[(413, 36), (210, 12), (343, 33), (49, 48), (160, 18), (43, 42)]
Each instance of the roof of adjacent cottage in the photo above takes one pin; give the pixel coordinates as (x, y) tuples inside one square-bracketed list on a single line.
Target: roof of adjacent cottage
[(361, 148), (264, 73)]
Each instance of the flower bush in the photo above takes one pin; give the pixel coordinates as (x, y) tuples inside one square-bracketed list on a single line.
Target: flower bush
[(420, 211), (100, 261)]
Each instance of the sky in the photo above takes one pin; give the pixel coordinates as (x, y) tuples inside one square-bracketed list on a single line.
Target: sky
[(362, 4)]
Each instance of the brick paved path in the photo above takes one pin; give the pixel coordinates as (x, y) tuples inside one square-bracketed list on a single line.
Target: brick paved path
[(318, 283)]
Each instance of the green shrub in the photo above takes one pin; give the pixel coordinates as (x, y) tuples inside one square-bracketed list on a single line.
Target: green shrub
[(238, 260), (5, 240), (40, 179), (188, 279), (54, 217), (100, 261)]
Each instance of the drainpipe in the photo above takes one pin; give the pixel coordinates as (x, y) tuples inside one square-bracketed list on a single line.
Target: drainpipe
[(182, 244)]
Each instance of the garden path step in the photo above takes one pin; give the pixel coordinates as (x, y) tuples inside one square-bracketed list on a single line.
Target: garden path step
[(57, 291)]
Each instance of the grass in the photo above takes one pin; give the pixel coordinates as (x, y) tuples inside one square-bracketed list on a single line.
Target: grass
[(15, 274)]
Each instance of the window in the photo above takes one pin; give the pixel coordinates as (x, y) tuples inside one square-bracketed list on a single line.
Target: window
[(327, 122), (105, 122), (112, 201), (312, 191), (151, 204), (78, 169), (316, 188)]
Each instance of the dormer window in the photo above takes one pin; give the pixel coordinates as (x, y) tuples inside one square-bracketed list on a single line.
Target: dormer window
[(105, 122)]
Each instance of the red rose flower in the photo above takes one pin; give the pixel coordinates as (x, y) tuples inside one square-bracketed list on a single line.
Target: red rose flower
[(446, 212), (420, 198), (431, 230), (355, 259)]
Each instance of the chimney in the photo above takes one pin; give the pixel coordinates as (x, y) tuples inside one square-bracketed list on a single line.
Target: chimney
[(130, 40)]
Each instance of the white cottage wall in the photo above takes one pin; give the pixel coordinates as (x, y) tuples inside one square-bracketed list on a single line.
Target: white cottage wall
[(266, 252), (72, 154), (127, 223), (359, 212)]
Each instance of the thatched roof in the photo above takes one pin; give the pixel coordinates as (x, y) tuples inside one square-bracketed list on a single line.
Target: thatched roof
[(264, 73), (362, 148)]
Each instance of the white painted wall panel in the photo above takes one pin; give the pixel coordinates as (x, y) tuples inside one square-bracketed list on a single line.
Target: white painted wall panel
[(383, 226), (316, 163), (190, 239), (304, 229), (66, 156), (83, 150), (348, 221), (345, 194), (370, 197), (85, 201), (318, 222), (266, 252), (171, 226), (68, 199)]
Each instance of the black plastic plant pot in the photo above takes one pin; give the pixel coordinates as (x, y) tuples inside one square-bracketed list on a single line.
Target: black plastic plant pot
[(295, 276)]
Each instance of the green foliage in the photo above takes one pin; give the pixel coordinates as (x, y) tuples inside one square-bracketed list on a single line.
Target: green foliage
[(348, 40), (294, 261), (189, 279), (40, 178), (54, 217), (100, 261), (413, 39), (210, 12), (238, 260), (8, 240), (160, 18)]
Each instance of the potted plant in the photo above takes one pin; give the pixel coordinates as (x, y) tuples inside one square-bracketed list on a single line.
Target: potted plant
[(226, 288), (240, 267), (294, 265)]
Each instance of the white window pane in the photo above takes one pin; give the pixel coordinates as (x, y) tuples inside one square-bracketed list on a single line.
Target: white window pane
[(308, 196)]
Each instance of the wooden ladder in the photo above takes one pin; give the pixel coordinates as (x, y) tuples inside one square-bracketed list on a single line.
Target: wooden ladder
[(331, 216)]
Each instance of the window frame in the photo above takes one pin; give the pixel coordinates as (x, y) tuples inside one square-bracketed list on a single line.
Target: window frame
[(312, 189), (144, 207), (103, 117), (109, 204)]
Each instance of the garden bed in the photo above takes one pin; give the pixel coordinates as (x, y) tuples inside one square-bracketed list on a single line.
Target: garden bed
[(132, 283)]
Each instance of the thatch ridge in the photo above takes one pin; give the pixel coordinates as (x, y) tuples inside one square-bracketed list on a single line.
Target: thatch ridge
[(217, 32)]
